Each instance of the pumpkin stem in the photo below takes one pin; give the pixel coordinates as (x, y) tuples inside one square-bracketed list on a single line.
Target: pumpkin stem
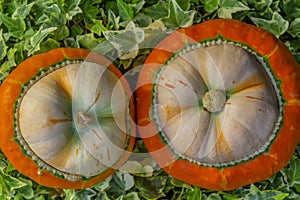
[(214, 100), (83, 119)]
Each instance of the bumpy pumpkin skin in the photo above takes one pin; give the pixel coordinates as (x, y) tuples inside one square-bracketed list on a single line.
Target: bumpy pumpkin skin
[(10, 91), (283, 66)]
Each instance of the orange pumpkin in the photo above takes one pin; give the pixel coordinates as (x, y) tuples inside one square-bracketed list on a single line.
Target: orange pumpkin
[(218, 104), (65, 118)]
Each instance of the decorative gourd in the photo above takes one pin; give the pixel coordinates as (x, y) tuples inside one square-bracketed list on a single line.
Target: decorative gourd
[(66, 118), (218, 104)]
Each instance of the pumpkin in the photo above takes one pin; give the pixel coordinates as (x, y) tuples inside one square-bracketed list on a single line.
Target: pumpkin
[(218, 104), (66, 118)]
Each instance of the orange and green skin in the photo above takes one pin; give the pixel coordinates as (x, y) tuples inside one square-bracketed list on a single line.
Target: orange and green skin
[(10, 91), (284, 68)]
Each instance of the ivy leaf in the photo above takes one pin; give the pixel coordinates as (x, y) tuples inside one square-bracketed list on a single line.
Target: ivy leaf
[(227, 8), (72, 8), (51, 9), (210, 5), (44, 12), (137, 168), (6, 68), (71, 43), (131, 196), (151, 187), (259, 5), (98, 27), (116, 187), (25, 44), (126, 178), (184, 4), (43, 18), (113, 20), (267, 194), (256, 193), (142, 20), (126, 41), (102, 196), (214, 197), (38, 37), (125, 10), (48, 45), (11, 182), (292, 172), (177, 17), (103, 185), (1, 10), (137, 6), (90, 12), (178, 183), (3, 47), (291, 8), (228, 196), (18, 54), (277, 25), (112, 5), (294, 28), (158, 10), (3, 165), (70, 194), (87, 41), (11, 6), (1, 187), (76, 30), (119, 183), (194, 194), (23, 10), (59, 22), (26, 192), (85, 194), (16, 27)]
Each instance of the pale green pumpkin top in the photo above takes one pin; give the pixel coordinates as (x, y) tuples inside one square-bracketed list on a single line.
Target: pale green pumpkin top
[(73, 120), (216, 104)]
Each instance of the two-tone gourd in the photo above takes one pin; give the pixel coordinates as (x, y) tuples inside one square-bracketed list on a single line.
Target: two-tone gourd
[(66, 118), (218, 104)]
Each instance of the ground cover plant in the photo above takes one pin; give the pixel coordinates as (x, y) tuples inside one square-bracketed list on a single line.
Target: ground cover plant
[(31, 27)]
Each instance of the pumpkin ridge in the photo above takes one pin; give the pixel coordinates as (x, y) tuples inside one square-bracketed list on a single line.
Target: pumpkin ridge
[(237, 90), (272, 52)]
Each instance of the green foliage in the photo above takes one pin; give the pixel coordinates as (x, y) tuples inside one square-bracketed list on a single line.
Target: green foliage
[(151, 187), (3, 47), (292, 174), (276, 25), (29, 27), (227, 8), (38, 37), (125, 11), (294, 28), (15, 26), (177, 17), (194, 194)]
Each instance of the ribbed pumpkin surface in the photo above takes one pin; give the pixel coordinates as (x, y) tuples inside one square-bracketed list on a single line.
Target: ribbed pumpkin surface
[(215, 108), (70, 119), (218, 104)]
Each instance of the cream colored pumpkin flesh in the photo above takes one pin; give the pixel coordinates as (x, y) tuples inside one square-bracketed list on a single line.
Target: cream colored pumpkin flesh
[(215, 104), (72, 120)]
